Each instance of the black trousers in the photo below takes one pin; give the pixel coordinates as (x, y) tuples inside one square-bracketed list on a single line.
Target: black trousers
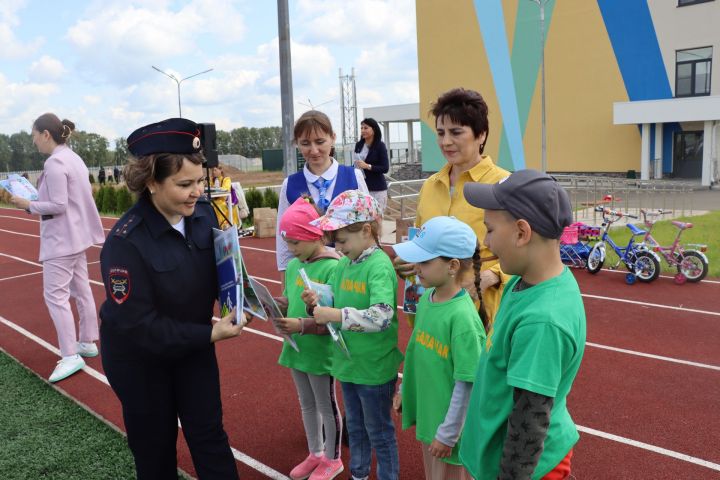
[(154, 394)]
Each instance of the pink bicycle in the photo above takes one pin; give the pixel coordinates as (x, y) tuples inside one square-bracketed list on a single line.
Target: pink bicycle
[(691, 263)]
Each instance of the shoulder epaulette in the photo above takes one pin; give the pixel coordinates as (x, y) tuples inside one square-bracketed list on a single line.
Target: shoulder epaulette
[(122, 229)]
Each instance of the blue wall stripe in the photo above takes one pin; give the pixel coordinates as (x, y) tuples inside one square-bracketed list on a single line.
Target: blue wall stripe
[(632, 34), (492, 27)]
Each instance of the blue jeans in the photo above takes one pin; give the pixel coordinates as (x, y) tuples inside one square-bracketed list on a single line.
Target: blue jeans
[(369, 425)]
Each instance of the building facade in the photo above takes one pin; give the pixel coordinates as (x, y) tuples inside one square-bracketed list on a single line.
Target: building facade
[(629, 85)]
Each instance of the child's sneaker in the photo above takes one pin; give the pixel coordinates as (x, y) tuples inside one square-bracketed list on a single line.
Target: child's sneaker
[(328, 469), (306, 467)]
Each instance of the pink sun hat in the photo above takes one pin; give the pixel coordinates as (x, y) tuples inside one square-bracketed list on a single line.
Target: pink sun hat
[(295, 222), (351, 206)]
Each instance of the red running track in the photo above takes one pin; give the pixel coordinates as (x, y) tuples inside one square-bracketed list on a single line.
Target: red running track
[(644, 397)]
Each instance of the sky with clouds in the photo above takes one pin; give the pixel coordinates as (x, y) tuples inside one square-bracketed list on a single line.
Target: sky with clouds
[(91, 61)]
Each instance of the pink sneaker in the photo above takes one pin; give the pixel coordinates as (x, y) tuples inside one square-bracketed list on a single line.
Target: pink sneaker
[(306, 467), (328, 469)]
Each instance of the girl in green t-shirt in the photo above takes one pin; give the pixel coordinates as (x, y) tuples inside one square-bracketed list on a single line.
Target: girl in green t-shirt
[(445, 344), (365, 294), (310, 366)]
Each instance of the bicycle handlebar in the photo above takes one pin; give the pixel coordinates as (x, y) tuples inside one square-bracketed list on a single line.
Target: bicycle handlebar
[(619, 215)]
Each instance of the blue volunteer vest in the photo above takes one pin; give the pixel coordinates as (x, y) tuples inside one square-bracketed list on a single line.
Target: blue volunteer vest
[(297, 186)]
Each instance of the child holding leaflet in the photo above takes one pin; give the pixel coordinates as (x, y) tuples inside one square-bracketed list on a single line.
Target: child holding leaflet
[(445, 345), (310, 367), (365, 289), (518, 425)]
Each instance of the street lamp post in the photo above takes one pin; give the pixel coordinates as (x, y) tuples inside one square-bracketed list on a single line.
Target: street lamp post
[(173, 77), (543, 162)]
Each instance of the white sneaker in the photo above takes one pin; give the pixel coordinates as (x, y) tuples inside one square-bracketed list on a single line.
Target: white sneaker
[(87, 349), (66, 367)]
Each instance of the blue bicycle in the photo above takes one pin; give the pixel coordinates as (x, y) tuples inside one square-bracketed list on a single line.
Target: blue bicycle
[(643, 264)]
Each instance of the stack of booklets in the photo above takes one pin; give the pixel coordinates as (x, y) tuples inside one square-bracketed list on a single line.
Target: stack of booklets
[(325, 295), (237, 288), (19, 186)]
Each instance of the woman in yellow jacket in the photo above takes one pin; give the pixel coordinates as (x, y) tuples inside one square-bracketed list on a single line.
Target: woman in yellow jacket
[(461, 120), (220, 181)]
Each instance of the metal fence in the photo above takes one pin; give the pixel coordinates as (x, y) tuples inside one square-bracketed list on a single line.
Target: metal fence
[(585, 191)]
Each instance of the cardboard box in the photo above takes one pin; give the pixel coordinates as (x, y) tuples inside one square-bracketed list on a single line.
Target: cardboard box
[(401, 229), (265, 222)]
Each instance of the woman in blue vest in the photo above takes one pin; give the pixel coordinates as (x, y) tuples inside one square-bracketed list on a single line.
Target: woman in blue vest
[(322, 177), (371, 156)]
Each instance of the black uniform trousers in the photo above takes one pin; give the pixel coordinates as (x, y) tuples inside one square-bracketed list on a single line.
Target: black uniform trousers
[(154, 394)]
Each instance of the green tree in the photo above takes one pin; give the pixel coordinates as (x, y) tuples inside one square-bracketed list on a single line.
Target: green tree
[(109, 204), (224, 143), (121, 151), (5, 152)]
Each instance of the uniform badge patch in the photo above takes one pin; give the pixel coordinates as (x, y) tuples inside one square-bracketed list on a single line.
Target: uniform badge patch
[(119, 284)]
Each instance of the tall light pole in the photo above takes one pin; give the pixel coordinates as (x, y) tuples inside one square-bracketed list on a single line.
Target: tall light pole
[(173, 77), (286, 88), (543, 162)]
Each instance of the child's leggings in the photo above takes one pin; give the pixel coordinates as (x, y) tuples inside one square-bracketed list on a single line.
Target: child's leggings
[(319, 407)]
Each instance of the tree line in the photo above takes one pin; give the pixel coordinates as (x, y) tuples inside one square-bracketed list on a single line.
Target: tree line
[(18, 154)]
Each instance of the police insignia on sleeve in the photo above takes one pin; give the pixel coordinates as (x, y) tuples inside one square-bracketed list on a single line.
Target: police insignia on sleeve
[(119, 284)]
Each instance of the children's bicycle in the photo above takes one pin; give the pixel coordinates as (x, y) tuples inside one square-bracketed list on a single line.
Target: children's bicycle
[(643, 264), (691, 263), (574, 246)]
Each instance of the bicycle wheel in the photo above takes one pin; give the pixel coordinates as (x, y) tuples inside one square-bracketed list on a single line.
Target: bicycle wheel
[(693, 265), (595, 259), (647, 267)]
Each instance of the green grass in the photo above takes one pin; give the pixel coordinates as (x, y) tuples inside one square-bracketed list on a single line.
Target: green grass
[(45, 435), (705, 231)]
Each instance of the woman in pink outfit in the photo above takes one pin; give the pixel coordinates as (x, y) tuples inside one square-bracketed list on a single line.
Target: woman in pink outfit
[(69, 225)]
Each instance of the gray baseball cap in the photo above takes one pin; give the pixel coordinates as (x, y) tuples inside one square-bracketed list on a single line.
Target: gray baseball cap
[(529, 195)]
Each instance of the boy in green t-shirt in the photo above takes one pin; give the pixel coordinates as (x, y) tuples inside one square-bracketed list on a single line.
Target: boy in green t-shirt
[(518, 425)]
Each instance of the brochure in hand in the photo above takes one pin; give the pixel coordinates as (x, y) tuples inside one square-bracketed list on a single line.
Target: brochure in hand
[(19, 186), (326, 300), (229, 270), (413, 288), (272, 311)]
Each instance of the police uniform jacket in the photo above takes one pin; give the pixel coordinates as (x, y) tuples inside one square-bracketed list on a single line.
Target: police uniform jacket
[(160, 287)]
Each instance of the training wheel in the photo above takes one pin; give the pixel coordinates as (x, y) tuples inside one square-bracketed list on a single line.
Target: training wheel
[(680, 279), (630, 278)]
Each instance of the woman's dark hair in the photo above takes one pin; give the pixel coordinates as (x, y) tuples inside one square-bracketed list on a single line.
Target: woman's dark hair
[(158, 166), (464, 107), (59, 130), (370, 122)]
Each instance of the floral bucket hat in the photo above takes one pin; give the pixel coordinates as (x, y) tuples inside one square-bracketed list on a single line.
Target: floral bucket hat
[(351, 206)]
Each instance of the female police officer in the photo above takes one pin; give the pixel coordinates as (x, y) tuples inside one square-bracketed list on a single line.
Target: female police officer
[(156, 334)]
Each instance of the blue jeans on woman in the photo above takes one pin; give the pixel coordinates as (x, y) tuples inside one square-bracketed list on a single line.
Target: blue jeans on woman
[(369, 425)]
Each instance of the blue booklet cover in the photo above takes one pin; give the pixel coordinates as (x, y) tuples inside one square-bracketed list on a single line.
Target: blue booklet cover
[(326, 300), (19, 186), (229, 270)]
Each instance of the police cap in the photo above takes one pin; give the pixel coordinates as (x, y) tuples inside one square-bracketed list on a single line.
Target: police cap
[(174, 135)]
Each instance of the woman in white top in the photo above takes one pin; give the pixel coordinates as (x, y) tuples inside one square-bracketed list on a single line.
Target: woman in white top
[(322, 177)]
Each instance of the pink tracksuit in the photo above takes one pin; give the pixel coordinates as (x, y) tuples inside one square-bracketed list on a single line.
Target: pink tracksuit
[(69, 225)]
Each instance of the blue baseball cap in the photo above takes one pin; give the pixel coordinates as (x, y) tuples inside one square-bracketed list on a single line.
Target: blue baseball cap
[(439, 237)]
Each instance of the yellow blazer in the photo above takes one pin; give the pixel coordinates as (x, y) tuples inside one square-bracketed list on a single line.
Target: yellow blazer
[(436, 199)]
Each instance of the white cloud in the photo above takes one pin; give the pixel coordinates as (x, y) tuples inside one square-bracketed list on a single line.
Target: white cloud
[(119, 41), (46, 69), (10, 46), (357, 23), (22, 103)]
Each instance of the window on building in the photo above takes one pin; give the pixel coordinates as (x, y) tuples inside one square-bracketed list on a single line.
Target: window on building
[(693, 69), (683, 3)]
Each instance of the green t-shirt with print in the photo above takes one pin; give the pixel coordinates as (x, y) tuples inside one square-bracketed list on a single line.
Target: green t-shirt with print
[(536, 343), (444, 347), (315, 355), (375, 357)]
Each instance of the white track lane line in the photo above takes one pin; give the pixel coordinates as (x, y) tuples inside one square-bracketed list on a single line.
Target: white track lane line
[(92, 282), (652, 448), (716, 282), (240, 456), (654, 357), (592, 431)]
